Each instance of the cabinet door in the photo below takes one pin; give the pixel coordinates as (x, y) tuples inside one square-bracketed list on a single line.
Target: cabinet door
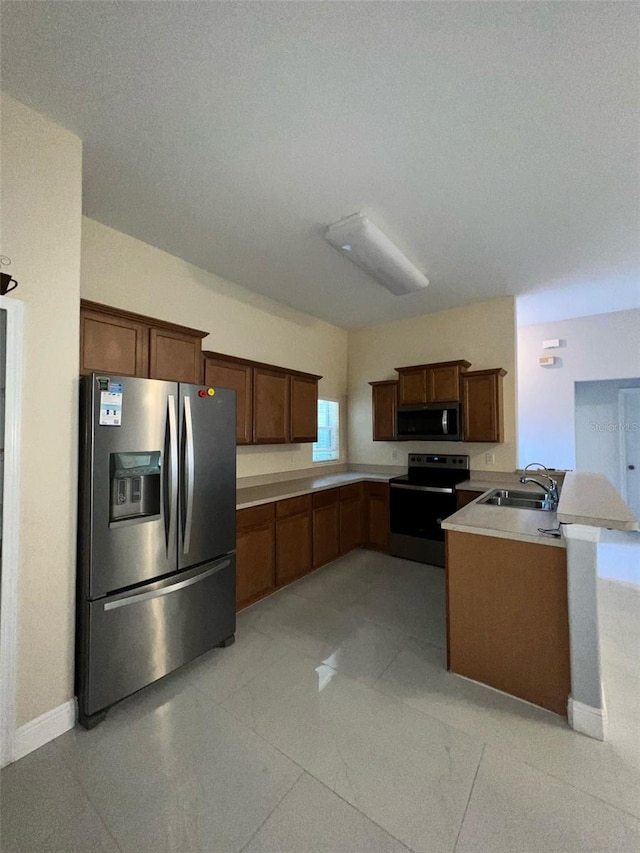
[(293, 547), (271, 406), (174, 356), (111, 344), (238, 377), (384, 398), (255, 564), (377, 516), (412, 386), (464, 497), (326, 527), (351, 518), (482, 405), (444, 384), (304, 409)]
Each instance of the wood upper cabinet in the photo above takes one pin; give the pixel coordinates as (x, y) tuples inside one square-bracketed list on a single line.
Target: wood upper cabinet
[(412, 385), (294, 540), (326, 527), (304, 408), (482, 405), (384, 401), (238, 376), (125, 344), (271, 406), (112, 343), (274, 405), (175, 356), (430, 383), (255, 553), (377, 516), (351, 517)]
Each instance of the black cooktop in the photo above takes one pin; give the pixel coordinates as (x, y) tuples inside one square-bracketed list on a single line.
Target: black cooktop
[(430, 469)]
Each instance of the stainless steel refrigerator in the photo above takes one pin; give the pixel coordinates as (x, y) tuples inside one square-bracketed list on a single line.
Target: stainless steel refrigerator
[(156, 539)]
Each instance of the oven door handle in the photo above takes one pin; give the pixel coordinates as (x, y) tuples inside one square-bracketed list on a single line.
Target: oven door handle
[(437, 489)]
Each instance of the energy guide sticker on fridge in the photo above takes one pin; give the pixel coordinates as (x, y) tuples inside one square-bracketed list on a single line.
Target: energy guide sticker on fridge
[(111, 405)]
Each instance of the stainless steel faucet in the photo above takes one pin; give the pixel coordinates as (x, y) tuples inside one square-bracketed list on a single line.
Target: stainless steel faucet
[(551, 489)]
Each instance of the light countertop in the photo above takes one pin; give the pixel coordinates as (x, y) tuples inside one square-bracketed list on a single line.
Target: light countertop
[(504, 522), (585, 498), (590, 499), (254, 495)]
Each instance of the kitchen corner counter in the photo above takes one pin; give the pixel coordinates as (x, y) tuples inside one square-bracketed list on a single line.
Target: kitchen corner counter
[(505, 522), (591, 500), (255, 495)]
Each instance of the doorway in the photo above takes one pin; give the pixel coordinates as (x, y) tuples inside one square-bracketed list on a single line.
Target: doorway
[(608, 441), (11, 341)]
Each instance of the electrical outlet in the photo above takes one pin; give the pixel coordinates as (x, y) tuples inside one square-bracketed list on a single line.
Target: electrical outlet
[(394, 454), (490, 458)]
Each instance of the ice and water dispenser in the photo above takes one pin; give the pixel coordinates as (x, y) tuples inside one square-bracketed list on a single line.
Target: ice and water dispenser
[(135, 485)]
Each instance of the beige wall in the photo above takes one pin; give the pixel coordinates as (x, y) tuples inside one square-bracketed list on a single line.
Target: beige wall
[(482, 333), (41, 215), (119, 270)]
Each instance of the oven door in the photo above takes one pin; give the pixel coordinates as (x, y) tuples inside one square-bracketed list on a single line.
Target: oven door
[(416, 515)]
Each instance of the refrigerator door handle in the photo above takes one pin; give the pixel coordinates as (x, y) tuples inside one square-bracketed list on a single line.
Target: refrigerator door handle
[(166, 590), (189, 476), (172, 479)]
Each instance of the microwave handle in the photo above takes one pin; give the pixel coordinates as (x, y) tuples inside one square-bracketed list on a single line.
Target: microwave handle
[(445, 422)]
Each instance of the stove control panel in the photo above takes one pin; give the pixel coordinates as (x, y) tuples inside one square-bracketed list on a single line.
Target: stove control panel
[(438, 460)]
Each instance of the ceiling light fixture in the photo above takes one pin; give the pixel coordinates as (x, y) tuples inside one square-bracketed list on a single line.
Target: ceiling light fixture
[(360, 240)]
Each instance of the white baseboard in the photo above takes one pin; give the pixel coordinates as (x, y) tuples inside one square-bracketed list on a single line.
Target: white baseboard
[(44, 728), (588, 720)]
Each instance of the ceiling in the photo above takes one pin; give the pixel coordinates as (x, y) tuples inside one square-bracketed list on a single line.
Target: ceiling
[(496, 143)]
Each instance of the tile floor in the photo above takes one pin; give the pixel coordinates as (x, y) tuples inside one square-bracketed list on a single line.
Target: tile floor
[(332, 726)]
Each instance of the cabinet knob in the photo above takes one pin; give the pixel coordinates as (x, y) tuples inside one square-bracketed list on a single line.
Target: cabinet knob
[(632, 467)]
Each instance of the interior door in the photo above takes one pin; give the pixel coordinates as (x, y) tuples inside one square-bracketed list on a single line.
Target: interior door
[(629, 399), (207, 526)]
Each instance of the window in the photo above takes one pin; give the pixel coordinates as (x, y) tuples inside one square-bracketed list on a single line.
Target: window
[(327, 446)]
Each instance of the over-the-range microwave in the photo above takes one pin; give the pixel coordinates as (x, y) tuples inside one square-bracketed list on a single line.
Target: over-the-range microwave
[(430, 422)]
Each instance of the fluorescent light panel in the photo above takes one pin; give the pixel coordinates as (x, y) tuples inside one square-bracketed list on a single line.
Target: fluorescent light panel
[(360, 240)]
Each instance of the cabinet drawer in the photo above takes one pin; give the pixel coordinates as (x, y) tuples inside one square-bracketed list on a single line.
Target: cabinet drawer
[(254, 516), (293, 506), (378, 490), (326, 498), (352, 492)]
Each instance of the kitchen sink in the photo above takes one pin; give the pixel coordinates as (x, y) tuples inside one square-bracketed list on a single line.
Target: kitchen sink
[(517, 499)]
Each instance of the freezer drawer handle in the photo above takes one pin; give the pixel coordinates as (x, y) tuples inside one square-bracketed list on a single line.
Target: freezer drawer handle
[(189, 474), (167, 590)]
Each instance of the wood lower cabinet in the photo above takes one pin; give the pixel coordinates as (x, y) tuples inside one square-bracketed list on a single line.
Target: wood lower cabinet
[(124, 344), (377, 516), (351, 517), (239, 378), (255, 553), (294, 540), (384, 402), (507, 616), (326, 527), (304, 409), (464, 497), (174, 356), (482, 407)]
